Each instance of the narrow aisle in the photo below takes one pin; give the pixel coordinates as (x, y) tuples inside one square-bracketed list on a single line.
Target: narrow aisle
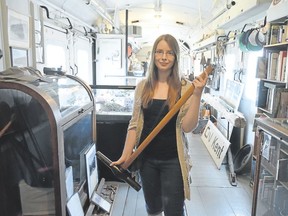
[(211, 192)]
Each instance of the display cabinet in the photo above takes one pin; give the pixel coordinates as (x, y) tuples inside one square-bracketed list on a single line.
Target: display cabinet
[(114, 106), (47, 124), (270, 192)]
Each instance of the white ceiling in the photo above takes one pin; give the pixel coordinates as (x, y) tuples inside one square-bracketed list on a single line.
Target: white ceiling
[(182, 18)]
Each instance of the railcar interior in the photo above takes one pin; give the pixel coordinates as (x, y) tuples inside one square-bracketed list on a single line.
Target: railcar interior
[(68, 73)]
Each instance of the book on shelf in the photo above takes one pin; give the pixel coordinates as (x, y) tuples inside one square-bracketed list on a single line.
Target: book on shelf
[(283, 105), (269, 99), (285, 68), (261, 71), (280, 62), (284, 37), (277, 65), (272, 65)]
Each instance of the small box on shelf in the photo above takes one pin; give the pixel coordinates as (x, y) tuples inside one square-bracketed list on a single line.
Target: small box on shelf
[(269, 96)]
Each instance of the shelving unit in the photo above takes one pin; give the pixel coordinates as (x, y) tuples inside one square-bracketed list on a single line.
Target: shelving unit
[(270, 195), (270, 155), (273, 67)]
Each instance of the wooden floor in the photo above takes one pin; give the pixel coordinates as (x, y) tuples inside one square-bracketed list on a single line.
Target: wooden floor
[(211, 192)]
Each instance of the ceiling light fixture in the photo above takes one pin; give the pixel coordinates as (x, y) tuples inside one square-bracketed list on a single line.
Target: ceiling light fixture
[(158, 5), (158, 9), (100, 10)]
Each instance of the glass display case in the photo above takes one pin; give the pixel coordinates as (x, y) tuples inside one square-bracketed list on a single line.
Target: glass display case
[(47, 123), (113, 103), (270, 194)]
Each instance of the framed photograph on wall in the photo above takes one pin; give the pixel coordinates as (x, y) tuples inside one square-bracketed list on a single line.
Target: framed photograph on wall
[(18, 29), (19, 57), (91, 169)]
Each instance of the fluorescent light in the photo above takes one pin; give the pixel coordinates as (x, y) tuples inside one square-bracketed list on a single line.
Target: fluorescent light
[(100, 10)]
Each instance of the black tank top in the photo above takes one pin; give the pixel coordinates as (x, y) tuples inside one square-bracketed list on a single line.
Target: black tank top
[(163, 146)]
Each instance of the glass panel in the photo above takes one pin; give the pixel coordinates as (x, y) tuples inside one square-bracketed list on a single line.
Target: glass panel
[(55, 56), (67, 93), (265, 193), (113, 67), (25, 152), (76, 146), (272, 192), (84, 68), (114, 101)]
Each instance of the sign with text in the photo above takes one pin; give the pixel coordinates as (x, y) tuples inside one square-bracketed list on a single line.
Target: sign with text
[(215, 142)]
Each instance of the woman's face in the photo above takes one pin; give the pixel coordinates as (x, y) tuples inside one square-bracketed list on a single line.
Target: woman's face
[(164, 57)]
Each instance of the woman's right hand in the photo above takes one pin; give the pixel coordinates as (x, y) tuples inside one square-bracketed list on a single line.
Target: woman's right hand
[(128, 148), (121, 160)]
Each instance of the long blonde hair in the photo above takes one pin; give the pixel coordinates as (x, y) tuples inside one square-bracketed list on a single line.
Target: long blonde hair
[(173, 81)]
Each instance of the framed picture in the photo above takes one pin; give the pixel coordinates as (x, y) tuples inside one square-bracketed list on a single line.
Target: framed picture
[(18, 29), (19, 57), (91, 169)]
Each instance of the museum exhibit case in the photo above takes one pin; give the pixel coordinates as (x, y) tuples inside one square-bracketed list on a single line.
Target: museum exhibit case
[(47, 129), (114, 106)]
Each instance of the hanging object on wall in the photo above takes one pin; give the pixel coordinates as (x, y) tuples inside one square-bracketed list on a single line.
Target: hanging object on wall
[(203, 60), (252, 45), (1, 54), (220, 46)]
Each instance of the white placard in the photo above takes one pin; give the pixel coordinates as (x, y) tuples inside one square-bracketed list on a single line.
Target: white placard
[(215, 142), (74, 206), (91, 169), (69, 182), (101, 202)]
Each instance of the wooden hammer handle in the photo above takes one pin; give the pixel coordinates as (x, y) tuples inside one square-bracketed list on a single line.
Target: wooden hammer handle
[(164, 121)]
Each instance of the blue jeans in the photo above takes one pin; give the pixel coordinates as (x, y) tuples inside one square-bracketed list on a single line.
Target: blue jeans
[(163, 186)]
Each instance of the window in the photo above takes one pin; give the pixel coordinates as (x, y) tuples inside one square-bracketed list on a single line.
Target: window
[(55, 56)]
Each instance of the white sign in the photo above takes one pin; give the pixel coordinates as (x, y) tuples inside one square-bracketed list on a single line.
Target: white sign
[(215, 142)]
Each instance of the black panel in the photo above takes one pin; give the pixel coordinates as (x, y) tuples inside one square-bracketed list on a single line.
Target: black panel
[(110, 141)]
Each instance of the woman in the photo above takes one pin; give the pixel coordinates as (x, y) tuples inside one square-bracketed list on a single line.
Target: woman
[(165, 168)]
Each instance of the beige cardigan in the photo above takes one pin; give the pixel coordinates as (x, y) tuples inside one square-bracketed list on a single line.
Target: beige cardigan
[(182, 145)]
